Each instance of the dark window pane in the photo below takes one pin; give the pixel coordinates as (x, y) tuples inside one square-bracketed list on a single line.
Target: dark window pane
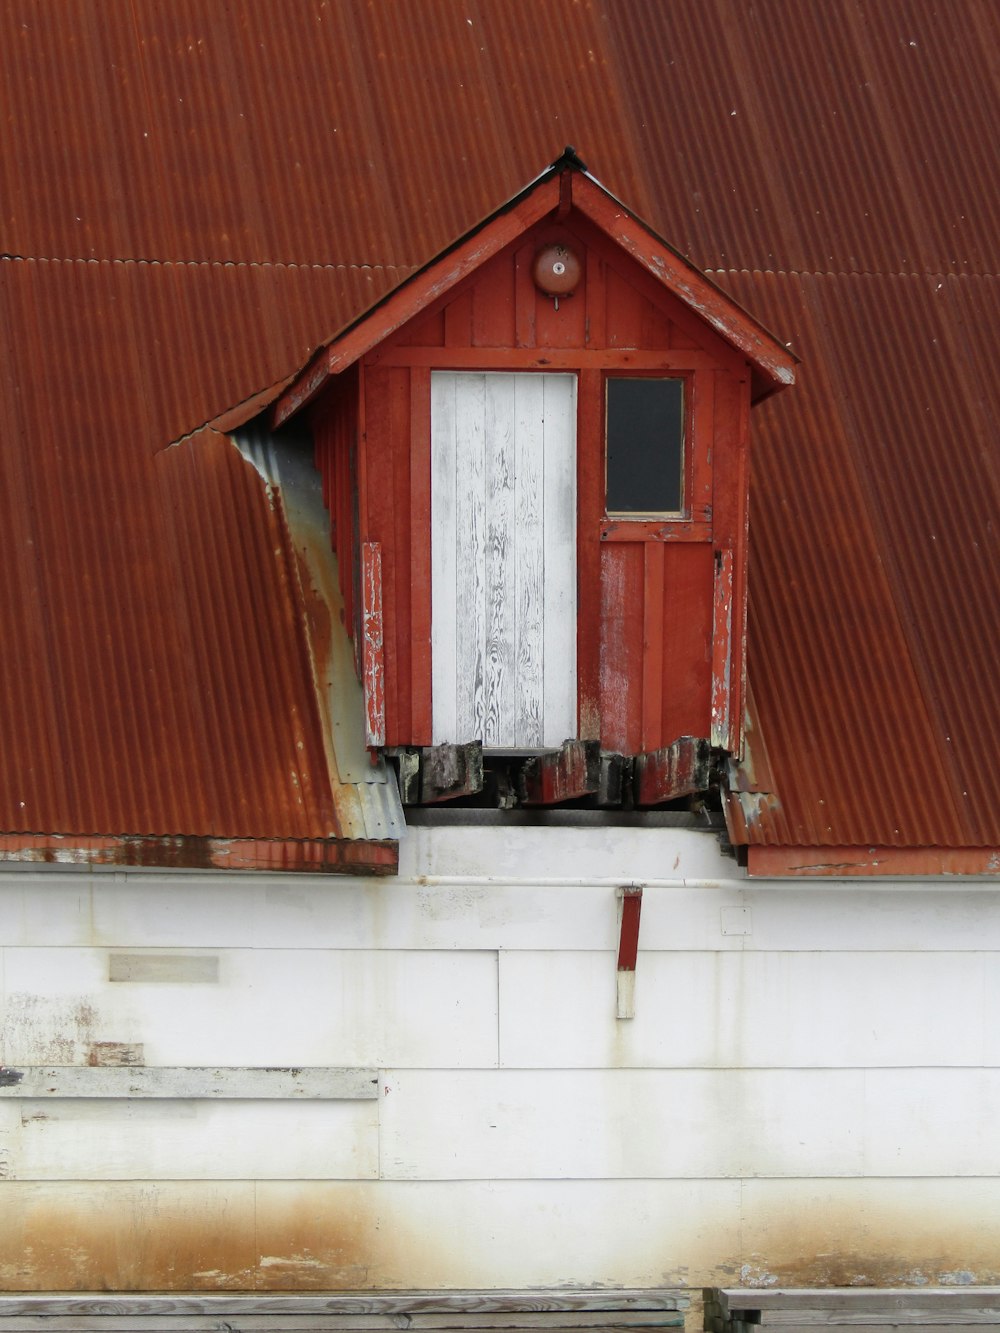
[(645, 440)]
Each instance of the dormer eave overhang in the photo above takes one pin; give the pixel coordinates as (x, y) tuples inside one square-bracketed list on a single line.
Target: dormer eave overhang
[(565, 185)]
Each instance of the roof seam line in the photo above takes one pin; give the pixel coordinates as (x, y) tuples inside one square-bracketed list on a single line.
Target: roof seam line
[(854, 273), (347, 265), (193, 263)]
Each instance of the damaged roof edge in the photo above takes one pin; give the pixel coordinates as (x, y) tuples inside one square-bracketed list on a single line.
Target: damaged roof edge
[(365, 792), (785, 862), (330, 856)]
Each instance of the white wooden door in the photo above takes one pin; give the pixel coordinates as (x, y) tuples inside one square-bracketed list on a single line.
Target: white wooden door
[(503, 537)]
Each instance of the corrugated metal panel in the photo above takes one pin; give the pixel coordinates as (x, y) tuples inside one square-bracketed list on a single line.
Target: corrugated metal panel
[(876, 486), (365, 792), (159, 682), (354, 132), (849, 136), (775, 135)]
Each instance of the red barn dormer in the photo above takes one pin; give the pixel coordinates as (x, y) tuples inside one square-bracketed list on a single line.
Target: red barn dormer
[(535, 457)]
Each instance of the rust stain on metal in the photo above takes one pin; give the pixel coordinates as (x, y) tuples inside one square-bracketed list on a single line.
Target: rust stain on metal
[(866, 632), (159, 686), (316, 855), (850, 861)]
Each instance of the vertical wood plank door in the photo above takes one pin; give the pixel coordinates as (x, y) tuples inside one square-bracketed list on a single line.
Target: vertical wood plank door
[(503, 559)]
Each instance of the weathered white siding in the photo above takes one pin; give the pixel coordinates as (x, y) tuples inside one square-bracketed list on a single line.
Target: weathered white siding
[(503, 596), (809, 1089)]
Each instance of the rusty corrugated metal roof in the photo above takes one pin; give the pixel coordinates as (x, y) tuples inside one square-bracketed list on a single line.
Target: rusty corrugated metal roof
[(876, 489), (201, 193), (156, 680)]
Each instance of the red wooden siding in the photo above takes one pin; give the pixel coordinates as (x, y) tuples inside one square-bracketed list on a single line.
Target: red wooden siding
[(647, 589), (372, 656), (335, 437), (385, 508)]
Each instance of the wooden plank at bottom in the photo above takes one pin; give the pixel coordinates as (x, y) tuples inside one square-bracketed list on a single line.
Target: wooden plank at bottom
[(885, 1325), (248, 1323), (620, 1302), (854, 1319), (858, 1298)]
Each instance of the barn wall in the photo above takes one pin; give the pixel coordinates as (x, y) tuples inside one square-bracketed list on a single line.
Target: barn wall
[(808, 1092)]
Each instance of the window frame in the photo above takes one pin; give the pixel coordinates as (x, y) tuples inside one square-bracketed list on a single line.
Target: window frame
[(656, 517)]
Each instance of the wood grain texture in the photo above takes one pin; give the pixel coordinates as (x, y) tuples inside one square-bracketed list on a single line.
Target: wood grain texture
[(265, 1322), (502, 542), (468, 535), (376, 1310), (528, 559), (559, 704), (444, 518), (420, 557), (504, 559), (845, 1304)]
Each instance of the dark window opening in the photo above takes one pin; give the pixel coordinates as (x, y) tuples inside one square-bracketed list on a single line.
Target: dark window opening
[(645, 446)]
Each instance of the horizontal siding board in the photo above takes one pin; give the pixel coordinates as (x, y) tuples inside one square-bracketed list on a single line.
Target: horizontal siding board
[(280, 1007), (490, 892), (920, 1122), (184, 1140), (850, 1299), (716, 1009), (568, 1124)]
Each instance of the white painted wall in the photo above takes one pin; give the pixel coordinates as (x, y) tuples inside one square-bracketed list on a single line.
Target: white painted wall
[(810, 1087)]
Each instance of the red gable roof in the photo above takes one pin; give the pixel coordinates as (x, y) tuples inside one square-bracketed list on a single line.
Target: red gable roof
[(566, 183)]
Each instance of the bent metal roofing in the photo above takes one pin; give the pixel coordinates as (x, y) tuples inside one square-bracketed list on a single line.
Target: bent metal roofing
[(193, 196)]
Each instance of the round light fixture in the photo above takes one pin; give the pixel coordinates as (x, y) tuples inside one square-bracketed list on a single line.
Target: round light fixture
[(556, 270)]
